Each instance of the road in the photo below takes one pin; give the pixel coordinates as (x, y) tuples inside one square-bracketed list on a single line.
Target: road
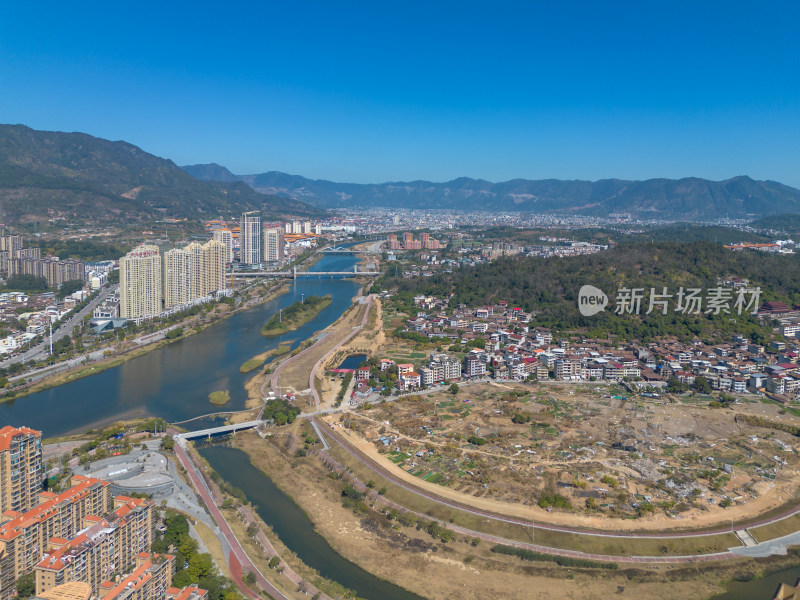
[(41, 349), (761, 549), (335, 438), (274, 380)]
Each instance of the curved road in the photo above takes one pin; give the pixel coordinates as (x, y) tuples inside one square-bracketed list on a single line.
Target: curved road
[(276, 374), (383, 472)]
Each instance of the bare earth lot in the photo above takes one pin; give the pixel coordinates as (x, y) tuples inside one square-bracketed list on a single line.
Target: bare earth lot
[(593, 457)]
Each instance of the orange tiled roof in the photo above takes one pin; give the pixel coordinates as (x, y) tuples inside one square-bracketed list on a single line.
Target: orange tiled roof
[(8, 433)]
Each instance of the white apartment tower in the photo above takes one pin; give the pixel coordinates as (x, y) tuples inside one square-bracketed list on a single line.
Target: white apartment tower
[(287, 228), (177, 274), (140, 282), (250, 238), (273, 244), (194, 272), (225, 237), (297, 227), (214, 278), (307, 227)]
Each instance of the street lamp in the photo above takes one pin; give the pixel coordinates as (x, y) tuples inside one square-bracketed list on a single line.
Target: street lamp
[(302, 298)]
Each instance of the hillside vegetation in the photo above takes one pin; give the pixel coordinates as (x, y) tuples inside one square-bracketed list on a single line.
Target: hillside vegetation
[(550, 286), (75, 177)]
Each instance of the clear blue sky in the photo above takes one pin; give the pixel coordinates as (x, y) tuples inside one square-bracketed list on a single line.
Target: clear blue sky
[(378, 91)]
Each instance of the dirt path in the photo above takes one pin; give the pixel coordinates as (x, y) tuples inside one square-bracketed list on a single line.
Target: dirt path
[(654, 524)]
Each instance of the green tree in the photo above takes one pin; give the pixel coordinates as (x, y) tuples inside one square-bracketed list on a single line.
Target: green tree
[(454, 389), (26, 585), (702, 385)]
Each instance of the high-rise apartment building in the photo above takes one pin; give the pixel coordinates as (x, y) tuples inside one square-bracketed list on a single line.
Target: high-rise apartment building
[(177, 276), (140, 282), (53, 270), (225, 237), (21, 470), (273, 244), (24, 538), (193, 272), (307, 227), (150, 579), (250, 238), (287, 228), (297, 227), (104, 548)]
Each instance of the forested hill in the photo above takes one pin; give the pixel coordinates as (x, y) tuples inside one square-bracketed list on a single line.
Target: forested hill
[(75, 177), (550, 285), (690, 198)]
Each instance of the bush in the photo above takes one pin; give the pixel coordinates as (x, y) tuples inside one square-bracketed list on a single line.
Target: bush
[(173, 334), (563, 561), (552, 499), (274, 562)]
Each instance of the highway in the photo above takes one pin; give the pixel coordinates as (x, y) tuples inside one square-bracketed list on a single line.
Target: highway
[(41, 349)]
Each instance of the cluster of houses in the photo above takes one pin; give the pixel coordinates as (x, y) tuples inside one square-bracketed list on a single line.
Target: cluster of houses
[(38, 312), (513, 349)]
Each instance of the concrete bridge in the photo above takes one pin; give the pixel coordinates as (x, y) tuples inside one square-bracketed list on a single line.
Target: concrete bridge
[(294, 273), (346, 251), (205, 433)]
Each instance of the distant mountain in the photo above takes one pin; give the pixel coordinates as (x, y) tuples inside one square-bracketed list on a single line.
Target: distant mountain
[(212, 172), (79, 178), (691, 198)]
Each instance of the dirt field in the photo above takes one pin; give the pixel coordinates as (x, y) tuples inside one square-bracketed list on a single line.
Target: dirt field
[(519, 449), (458, 569), (295, 375)]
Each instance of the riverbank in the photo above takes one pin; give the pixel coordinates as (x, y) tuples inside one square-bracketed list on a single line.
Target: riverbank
[(295, 316), (120, 358), (259, 359)]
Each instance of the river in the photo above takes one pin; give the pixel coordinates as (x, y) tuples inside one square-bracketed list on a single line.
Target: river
[(173, 382), (295, 529)]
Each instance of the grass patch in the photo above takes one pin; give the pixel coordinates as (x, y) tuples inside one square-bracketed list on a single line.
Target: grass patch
[(251, 364), (563, 561), (295, 316), (776, 529), (220, 397)]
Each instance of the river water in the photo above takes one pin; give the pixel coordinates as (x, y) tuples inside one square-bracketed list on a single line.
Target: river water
[(174, 381), (295, 529)]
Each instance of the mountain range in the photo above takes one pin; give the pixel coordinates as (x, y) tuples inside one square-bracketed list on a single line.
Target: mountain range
[(74, 177), (78, 178), (688, 199)]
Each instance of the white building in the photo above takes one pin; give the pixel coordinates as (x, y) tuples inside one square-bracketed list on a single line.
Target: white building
[(250, 238), (225, 237), (140, 282)]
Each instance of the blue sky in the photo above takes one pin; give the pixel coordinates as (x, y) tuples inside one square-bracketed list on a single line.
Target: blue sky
[(380, 91)]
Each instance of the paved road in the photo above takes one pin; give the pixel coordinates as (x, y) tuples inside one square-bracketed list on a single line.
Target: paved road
[(499, 540), (762, 549), (41, 349), (238, 558), (274, 380)]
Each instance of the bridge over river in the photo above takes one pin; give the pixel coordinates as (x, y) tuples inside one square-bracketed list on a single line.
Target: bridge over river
[(294, 273)]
